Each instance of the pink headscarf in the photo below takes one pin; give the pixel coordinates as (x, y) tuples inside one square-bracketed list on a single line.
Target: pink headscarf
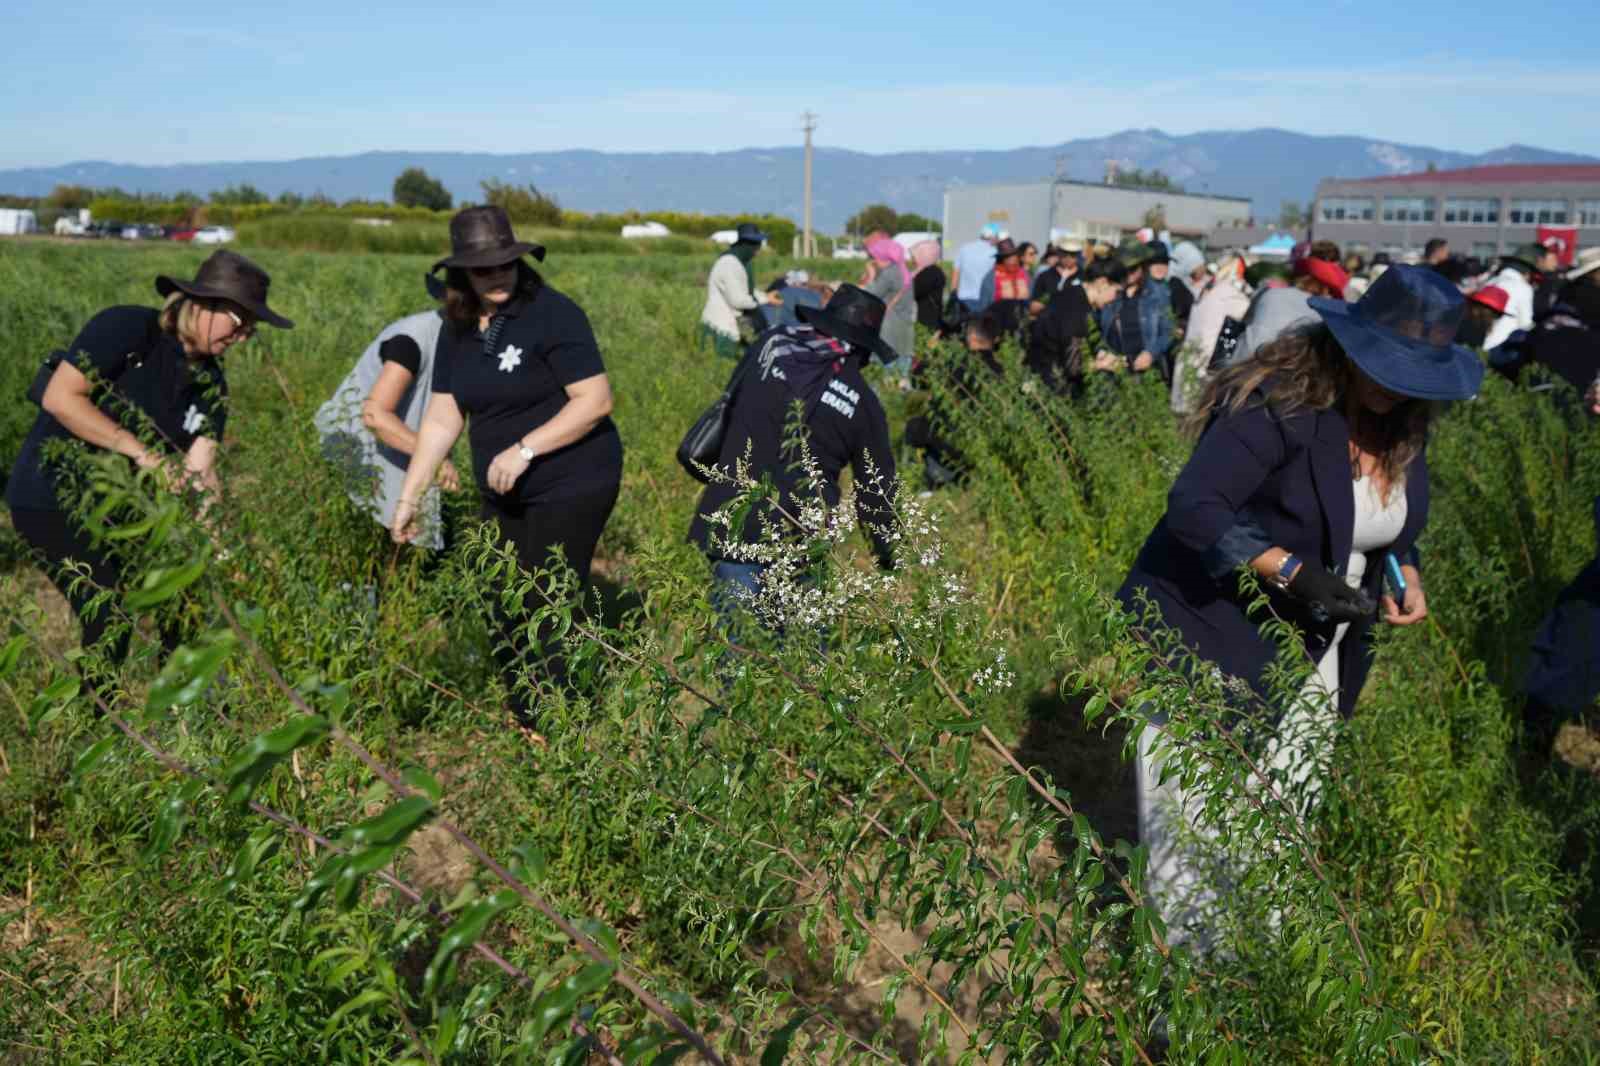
[(924, 254), (886, 250)]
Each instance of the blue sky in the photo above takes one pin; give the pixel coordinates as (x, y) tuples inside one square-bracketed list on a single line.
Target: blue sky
[(189, 82)]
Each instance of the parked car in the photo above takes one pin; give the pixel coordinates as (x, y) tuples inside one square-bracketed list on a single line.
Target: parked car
[(184, 234), (215, 235)]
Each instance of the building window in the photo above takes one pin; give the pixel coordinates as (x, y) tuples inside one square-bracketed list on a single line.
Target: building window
[(1538, 212), (1347, 208), (1407, 209), (1485, 250), (1472, 212), (1589, 212)]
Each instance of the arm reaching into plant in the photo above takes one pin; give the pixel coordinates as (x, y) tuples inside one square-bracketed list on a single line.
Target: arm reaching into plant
[(441, 426), (67, 400), (380, 413)]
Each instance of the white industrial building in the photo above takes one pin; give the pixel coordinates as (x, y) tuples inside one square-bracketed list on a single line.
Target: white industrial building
[(16, 221), (1043, 211)]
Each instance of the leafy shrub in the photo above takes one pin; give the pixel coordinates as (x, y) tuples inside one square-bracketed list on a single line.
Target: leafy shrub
[(832, 847)]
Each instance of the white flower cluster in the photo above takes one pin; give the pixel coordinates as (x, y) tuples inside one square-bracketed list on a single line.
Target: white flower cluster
[(996, 677), (797, 593)]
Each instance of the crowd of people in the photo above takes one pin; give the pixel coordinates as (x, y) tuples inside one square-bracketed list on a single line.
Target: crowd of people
[(1309, 386)]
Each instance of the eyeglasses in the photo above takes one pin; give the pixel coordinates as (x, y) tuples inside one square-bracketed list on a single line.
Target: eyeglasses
[(241, 328)]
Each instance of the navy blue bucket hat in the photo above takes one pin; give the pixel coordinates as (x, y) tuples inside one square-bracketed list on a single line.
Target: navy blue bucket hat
[(1402, 335)]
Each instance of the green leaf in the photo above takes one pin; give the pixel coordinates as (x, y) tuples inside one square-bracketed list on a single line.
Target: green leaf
[(320, 882), (261, 844), (92, 756), (189, 671), (251, 766), (163, 583), (602, 934), (347, 886), (778, 1047), (11, 655), (640, 1046), (253, 619), (359, 1002), (959, 725), (449, 1025), (533, 863), (52, 700), (464, 932), (394, 825), (168, 825), (424, 782)]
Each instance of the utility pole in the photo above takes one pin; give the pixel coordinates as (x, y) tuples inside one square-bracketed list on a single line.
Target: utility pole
[(808, 247)]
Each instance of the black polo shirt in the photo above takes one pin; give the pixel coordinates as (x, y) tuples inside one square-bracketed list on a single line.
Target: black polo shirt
[(545, 344), (185, 399)]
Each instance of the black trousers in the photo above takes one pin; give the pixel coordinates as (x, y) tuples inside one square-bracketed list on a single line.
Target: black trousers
[(533, 530), (58, 539)]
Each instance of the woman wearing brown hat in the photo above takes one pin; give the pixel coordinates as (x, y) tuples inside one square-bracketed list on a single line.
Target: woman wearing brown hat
[(158, 394), (519, 369)]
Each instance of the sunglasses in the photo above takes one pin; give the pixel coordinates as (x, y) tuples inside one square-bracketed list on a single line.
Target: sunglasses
[(491, 271), (241, 327)]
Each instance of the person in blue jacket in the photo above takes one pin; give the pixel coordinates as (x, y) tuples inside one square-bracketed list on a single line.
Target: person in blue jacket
[(1137, 325), (1310, 469)]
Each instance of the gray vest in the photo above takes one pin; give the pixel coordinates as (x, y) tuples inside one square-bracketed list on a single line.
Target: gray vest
[(372, 471)]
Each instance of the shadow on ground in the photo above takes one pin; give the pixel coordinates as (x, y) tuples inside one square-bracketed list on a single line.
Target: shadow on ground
[(1084, 760)]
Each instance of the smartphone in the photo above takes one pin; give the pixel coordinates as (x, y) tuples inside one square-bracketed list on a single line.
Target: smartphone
[(1397, 580)]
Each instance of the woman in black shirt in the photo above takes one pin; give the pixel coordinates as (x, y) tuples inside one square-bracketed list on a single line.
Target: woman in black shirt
[(519, 368), (159, 393)]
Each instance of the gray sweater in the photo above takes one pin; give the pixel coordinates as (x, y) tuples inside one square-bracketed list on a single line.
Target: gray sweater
[(900, 324)]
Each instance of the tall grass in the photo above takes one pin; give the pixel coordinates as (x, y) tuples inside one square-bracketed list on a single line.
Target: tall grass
[(773, 829)]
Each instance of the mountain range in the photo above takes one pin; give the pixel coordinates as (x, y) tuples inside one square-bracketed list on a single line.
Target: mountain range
[(1269, 166)]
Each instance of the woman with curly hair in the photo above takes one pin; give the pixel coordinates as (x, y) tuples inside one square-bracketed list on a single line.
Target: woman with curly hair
[(1310, 469)]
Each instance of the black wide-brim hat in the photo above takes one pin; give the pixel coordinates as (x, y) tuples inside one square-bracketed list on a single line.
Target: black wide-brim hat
[(228, 276), (482, 237), (1402, 335), (853, 316), (749, 233)]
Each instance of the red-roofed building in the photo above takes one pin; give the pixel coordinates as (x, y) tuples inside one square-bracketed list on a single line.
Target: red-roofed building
[(1481, 211)]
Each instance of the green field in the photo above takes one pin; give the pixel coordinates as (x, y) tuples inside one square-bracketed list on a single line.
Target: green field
[(910, 844)]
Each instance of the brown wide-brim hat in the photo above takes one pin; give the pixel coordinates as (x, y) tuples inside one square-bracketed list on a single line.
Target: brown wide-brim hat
[(482, 237), (228, 276)]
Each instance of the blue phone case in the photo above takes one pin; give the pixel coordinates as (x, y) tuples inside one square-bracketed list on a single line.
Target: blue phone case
[(1396, 579)]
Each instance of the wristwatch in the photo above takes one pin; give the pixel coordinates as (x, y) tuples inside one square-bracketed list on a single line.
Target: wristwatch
[(1286, 571), (525, 452)]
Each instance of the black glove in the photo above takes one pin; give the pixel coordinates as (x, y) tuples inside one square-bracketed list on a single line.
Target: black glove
[(1330, 598)]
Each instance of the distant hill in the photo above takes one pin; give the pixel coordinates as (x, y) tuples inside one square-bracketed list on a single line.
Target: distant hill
[(1267, 165)]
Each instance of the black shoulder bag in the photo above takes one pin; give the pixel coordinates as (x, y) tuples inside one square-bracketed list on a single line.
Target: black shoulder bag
[(702, 445), (1228, 339)]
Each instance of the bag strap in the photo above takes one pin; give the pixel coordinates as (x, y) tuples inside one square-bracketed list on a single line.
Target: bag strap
[(740, 372), (491, 336)]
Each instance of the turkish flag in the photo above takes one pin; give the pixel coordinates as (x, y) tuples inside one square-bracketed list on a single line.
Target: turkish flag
[(1563, 240)]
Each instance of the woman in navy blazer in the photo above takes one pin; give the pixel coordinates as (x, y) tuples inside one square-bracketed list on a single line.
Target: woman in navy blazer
[(1311, 467)]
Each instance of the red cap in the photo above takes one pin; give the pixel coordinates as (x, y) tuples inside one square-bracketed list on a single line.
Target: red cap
[(1492, 296), (1330, 274)]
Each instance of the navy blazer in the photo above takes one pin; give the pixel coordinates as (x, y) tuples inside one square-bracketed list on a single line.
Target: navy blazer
[(1257, 479)]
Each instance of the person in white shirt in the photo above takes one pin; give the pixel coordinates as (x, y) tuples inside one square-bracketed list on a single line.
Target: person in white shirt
[(973, 261), (731, 291), (1515, 270)]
